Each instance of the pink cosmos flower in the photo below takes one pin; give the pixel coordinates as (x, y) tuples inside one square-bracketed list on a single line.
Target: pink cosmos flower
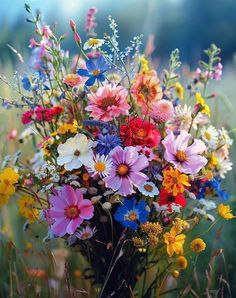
[(126, 170), (108, 102), (187, 159), (162, 110), (69, 209)]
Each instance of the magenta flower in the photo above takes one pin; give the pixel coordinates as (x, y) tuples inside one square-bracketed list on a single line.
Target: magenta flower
[(69, 209), (126, 170), (187, 159)]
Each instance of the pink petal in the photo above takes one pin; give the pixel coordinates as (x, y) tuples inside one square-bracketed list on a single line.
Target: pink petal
[(126, 187), (140, 163), (56, 213), (79, 195), (73, 225), (130, 155), (117, 155), (113, 182), (181, 142), (69, 195), (194, 164), (59, 227), (58, 202), (86, 209), (197, 147), (138, 178)]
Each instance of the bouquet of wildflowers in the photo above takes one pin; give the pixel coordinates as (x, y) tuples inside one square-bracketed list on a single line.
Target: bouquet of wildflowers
[(126, 162)]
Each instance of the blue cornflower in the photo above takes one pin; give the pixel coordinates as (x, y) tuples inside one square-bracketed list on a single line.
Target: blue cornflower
[(132, 213), (26, 84), (215, 185), (106, 143), (95, 71)]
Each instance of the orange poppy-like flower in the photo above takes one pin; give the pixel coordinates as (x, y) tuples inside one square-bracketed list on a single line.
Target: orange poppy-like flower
[(146, 90), (174, 181)]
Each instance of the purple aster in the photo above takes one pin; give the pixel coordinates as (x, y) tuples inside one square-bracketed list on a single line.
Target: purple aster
[(126, 170), (187, 159)]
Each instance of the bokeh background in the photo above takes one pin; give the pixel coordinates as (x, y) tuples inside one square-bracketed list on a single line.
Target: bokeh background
[(191, 26)]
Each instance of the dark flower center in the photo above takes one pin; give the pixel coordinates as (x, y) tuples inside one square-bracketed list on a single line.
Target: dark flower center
[(108, 102), (72, 212), (77, 153)]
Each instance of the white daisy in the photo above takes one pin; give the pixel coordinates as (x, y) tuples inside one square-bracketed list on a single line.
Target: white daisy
[(223, 166), (182, 117), (210, 136), (207, 204), (99, 165), (93, 43), (224, 137), (75, 152), (149, 189)]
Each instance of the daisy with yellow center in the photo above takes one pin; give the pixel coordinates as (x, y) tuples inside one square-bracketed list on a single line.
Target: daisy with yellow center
[(197, 245), (93, 43), (205, 109), (174, 242), (225, 211), (8, 177), (174, 182), (100, 165)]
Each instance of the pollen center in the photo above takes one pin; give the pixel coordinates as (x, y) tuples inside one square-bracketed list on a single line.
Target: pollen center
[(122, 169), (77, 153), (181, 156), (108, 102), (207, 135), (148, 187), (93, 42), (96, 72), (100, 167), (141, 133), (72, 212), (132, 216)]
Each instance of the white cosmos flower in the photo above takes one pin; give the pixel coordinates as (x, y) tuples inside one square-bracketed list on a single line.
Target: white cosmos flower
[(75, 152), (99, 165), (93, 43), (223, 166), (149, 189), (210, 136)]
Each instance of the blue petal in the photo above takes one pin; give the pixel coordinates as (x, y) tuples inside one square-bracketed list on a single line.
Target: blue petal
[(90, 81), (83, 72), (102, 64), (101, 77), (90, 65)]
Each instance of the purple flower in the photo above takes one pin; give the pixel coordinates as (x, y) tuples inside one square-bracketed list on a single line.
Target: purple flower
[(187, 159), (126, 170), (68, 211)]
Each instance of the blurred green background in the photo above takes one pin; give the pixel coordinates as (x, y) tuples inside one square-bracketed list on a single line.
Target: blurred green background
[(191, 26)]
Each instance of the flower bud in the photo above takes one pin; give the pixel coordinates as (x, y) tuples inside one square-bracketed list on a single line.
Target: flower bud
[(72, 25), (77, 37)]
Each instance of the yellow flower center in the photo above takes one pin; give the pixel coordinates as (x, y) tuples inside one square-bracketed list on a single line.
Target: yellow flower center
[(171, 239), (148, 187), (207, 135), (181, 156), (96, 72), (85, 235), (100, 167), (132, 216), (122, 169), (6, 181), (93, 42), (71, 212), (141, 133)]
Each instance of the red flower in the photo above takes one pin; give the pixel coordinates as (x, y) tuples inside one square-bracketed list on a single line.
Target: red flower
[(168, 199), (57, 110), (139, 132), (26, 118)]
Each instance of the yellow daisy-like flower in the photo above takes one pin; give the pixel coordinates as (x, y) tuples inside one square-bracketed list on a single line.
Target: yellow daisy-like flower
[(213, 161), (27, 209), (180, 90), (68, 127), (174, 242), (174, 182), (201, 101), (225, 211), (197, 245), (182, 262), (8, 178)]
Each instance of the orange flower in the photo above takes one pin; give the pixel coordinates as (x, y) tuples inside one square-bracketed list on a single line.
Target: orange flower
[(174, 242), (174, 182), (40, 273), (146, 89)]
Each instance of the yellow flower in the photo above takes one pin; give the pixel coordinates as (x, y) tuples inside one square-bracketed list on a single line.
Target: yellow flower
[(68, 127), (138, 242), (179, 225), (174, 182), (197, 245), (153, 228), (225, 211), (182, 262), (27, 209), (144, 64), (213, 161), (180, 90), (174, 242), (8, 177), (201, 101)]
